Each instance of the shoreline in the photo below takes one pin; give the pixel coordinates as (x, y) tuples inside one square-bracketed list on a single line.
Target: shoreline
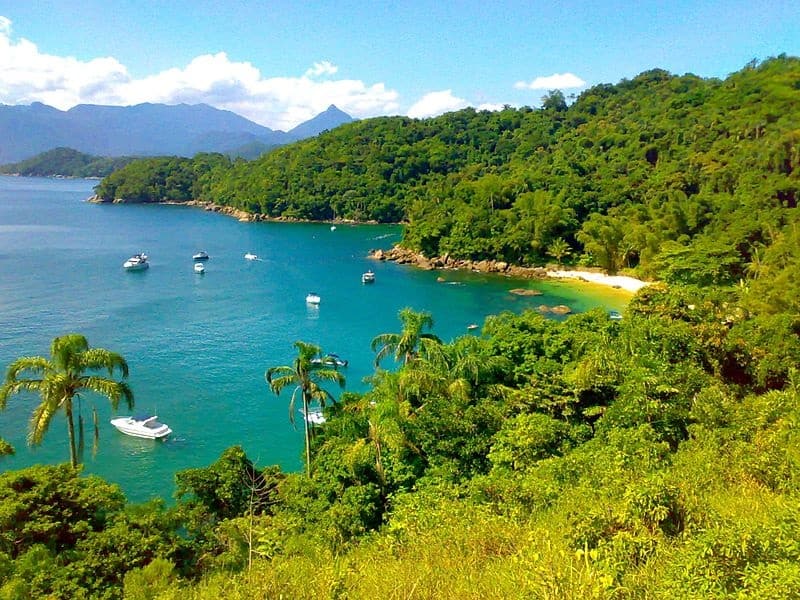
[(399, 255), (240, 215), (624, 283)]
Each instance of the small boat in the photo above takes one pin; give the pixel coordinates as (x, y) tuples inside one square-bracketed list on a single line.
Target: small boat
[(142, 427), (314, 416), (472, 326), (199, 268), (614, 315), (313, 298), (249, 256), (137, 262), (329, 359), (202, 255), (333, 227), (368, 277)]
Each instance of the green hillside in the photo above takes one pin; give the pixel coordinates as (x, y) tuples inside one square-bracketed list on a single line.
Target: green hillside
[(66, 162), (624, 172)]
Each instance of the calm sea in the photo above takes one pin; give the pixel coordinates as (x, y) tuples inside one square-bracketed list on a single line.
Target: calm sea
[(198, 345)]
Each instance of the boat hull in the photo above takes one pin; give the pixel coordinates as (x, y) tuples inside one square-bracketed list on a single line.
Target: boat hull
[(137, 429), (135, 266)]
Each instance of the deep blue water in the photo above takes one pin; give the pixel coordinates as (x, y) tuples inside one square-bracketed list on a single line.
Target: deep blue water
[(198, 345)]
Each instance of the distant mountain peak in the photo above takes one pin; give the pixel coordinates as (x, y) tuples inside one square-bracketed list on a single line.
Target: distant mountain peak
[(330, 119)]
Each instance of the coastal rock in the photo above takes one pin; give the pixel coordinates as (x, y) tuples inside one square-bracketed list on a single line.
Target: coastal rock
[(525, 292), (561, 309), (404, 256)]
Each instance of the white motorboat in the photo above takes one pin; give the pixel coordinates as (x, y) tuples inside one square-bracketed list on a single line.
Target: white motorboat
[(368, 277), (331, 359), (250, 256), (333, 227), (202, 255), (137, 262), (199, 268), (314, 416), (313, 298), (142, 427)]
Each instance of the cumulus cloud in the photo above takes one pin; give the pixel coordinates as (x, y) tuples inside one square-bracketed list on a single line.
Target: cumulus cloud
[(322, 68), (557, 81), (28, 75), (436, 103)]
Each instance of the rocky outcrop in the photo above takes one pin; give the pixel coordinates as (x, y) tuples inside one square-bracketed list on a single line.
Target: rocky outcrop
[(404, 256)]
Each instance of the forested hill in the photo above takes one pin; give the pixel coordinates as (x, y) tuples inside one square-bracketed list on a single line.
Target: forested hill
[(631, 174), (66, 162)]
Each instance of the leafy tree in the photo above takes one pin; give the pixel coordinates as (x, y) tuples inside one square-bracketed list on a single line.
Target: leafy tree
[(306, 376), (410, 342), (63, 378)]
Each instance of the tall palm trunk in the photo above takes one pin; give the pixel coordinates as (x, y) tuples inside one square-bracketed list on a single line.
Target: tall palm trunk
[(73, 454), (307, 433)]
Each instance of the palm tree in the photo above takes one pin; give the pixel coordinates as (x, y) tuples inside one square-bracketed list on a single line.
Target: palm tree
[(410, 342), (559, 249), (61, 379), (305, 375)]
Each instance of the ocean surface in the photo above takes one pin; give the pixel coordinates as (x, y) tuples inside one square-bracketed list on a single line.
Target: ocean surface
[(198, 345)]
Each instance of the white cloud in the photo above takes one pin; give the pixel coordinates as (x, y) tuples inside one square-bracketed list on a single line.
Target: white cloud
[(322, 68), (557, 81), (27, 75), (436, 103), (492, 106)]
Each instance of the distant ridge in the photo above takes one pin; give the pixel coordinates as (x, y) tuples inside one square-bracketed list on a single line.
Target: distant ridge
[(143, 130), (330, 118)]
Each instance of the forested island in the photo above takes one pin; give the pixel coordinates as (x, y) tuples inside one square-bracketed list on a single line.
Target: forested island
[(66, 162), (654, 456)]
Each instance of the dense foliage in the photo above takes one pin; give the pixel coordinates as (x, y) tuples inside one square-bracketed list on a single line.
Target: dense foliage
[(652, 457), (66, 162)]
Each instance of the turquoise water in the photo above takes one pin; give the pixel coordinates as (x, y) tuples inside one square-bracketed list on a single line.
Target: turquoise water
[(198, 345)]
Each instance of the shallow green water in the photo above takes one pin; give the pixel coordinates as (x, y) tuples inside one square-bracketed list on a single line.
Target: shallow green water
[(198, 345)]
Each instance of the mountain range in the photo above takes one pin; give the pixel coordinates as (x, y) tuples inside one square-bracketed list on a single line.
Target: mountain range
[(145, 130)]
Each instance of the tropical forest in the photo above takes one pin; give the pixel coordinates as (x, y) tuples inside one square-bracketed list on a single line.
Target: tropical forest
[(655, 456)]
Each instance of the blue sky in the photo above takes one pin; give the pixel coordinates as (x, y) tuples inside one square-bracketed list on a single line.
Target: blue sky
[(280, 63)]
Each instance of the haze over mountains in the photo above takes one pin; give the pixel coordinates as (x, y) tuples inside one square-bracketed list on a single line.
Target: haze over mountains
[(144, 130)]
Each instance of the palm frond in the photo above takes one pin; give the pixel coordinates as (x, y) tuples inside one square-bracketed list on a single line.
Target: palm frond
[(41, 418), (100, 358), (8, 389), (292, 405), (328, 375), (37, 365), (66, 349), (113, 390), (285, 379)]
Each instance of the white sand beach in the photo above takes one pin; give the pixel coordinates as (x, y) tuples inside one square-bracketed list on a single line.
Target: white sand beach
[(630, 284)]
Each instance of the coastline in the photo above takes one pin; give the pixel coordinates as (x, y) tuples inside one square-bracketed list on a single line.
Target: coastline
[(240, 215), (623, 283)]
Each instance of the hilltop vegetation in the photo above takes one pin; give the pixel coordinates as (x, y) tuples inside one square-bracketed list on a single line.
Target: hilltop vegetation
[(66, 162), (628, 175)]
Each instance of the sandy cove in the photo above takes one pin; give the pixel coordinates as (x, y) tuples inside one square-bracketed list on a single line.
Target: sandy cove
[(404, 256)]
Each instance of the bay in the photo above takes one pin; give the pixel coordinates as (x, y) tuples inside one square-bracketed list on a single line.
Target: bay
[(198, 345)]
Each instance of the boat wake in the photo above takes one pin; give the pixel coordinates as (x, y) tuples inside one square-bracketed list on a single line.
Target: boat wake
[(384, 236)]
